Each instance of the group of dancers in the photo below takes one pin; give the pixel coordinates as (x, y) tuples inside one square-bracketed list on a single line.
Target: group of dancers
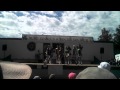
[(64, 56)]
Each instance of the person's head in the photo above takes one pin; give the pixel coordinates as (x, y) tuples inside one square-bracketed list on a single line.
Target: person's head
[(104, 65), (52, 76), (73, 46), (95, 73), (36, 77), (72, 75), (14, 70)]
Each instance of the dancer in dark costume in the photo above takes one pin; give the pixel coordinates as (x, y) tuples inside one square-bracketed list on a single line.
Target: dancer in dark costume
[(79, 54), (54, 56), (57, 53), (67, 54), (74, 54), (60, 56), (48, 54)]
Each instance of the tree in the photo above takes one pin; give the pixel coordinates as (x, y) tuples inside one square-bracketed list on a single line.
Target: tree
[(105, 36), (117, 38)]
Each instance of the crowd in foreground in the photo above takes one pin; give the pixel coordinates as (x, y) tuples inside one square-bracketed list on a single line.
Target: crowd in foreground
[(13, 70), (100, 72)]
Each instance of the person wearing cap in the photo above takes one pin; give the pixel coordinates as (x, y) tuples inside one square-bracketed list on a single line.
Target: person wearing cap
[(95, 73), (71, 75), (36, 77), (104, 65), (52, 76), (100, 72)]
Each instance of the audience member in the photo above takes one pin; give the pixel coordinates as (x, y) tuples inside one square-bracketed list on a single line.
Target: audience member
[(95, 73), (52, 76), (36, 77), (72, 75), (104, 65)]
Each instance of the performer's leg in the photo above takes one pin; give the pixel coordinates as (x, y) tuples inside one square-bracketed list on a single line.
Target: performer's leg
[(76, 60), (67, 60), (70, 60), (79, 60), (59, 60), (46, 60), (50, 59)]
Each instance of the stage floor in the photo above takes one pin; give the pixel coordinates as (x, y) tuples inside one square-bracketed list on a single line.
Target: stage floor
[(62, 64), (85, 65)]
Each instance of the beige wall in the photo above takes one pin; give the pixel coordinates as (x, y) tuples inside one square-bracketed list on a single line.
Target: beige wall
[(108, 50), (18, 49)]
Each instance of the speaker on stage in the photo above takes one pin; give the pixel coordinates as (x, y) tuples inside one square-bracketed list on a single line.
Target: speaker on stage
[(101, 50), (4, 47)]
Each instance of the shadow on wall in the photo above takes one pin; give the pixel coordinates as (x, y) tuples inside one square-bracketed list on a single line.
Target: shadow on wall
[(116, 73), (7, 58), (96, 61)]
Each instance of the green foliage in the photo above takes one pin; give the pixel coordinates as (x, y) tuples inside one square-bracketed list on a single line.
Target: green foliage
[(117, 36), (105, 36), (116, 40)]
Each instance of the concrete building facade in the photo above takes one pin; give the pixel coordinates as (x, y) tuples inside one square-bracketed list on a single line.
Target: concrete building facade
[(19, 50)]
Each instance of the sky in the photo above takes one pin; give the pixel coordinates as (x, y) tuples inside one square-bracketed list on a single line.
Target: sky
[(66, 23)]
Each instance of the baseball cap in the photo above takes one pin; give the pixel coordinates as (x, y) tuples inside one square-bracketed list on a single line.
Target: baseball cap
[(104, 65), (71, 75)]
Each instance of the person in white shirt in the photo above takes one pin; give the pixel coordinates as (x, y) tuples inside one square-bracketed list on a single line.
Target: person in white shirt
[(105, 65)]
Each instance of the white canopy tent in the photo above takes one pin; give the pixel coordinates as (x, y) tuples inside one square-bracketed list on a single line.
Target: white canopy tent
[(117, 57)]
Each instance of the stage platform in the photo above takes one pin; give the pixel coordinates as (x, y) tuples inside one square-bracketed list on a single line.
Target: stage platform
[(64, 66), (69, 65)]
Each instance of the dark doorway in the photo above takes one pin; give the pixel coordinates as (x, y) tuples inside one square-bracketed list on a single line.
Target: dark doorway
[(4, 47), (44, 49), (54, 45), (101, 50)]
